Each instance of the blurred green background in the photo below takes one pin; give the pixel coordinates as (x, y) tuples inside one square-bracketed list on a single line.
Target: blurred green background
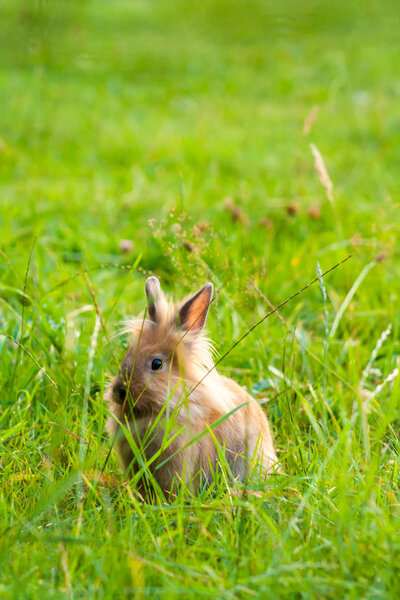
[(174, 138), (110, 109)]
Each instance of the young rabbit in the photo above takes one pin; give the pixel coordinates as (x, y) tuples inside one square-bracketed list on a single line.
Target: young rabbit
[(167, 393)]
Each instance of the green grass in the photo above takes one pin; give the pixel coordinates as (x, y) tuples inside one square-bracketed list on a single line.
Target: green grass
[(136, 120)]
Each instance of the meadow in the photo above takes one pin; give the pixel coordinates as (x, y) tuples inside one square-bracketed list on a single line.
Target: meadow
[(251, 144)]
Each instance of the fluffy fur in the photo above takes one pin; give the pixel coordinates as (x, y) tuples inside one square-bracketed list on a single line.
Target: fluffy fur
[(166, 408)]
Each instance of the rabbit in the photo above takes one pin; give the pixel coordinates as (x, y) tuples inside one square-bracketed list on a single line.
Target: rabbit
[(168, 392)]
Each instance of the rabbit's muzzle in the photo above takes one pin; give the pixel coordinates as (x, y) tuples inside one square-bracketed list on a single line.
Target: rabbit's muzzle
[(119, 392), (129, 395)]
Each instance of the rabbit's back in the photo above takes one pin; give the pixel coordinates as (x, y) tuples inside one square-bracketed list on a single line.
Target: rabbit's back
[(252, 434)]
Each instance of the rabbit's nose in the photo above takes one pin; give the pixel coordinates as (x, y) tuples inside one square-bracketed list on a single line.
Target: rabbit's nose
[(119, 391)]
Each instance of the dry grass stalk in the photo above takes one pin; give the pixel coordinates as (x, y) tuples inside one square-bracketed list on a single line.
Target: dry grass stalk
[(322, 172), (269, 303), (309, 120)]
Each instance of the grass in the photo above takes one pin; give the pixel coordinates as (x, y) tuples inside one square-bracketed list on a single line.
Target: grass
[(137, 121)]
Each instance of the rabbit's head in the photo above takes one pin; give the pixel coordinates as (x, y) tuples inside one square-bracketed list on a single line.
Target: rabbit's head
[(169, 353)]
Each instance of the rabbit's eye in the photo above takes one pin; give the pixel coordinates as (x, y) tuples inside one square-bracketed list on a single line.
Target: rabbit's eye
[(156, 364)]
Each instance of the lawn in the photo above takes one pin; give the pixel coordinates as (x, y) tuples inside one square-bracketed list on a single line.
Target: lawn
[(189, 140)]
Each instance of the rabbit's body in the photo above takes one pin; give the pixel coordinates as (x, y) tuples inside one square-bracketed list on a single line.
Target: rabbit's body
[(168, 406)]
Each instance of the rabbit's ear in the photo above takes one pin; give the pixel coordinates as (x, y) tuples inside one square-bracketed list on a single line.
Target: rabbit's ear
[(155, 298), (193, 312)]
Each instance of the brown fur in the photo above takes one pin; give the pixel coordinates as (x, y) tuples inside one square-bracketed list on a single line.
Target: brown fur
[(188, 407)]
